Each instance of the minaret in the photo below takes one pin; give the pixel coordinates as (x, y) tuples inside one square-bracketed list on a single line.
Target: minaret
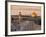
[(19, 17)]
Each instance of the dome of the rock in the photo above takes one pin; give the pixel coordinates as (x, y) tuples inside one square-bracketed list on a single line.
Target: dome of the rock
[(34, 14)]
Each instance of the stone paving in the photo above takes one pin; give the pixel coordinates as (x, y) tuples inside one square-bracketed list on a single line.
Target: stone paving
[(25, 26)]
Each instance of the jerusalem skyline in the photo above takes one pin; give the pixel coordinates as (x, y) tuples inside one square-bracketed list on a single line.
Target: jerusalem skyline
[(25, 10)]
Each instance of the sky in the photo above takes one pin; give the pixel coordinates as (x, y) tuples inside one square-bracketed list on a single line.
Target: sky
[(25, 10)]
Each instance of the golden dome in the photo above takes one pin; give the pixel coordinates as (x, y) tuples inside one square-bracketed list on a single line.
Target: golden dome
[(34, 14)]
